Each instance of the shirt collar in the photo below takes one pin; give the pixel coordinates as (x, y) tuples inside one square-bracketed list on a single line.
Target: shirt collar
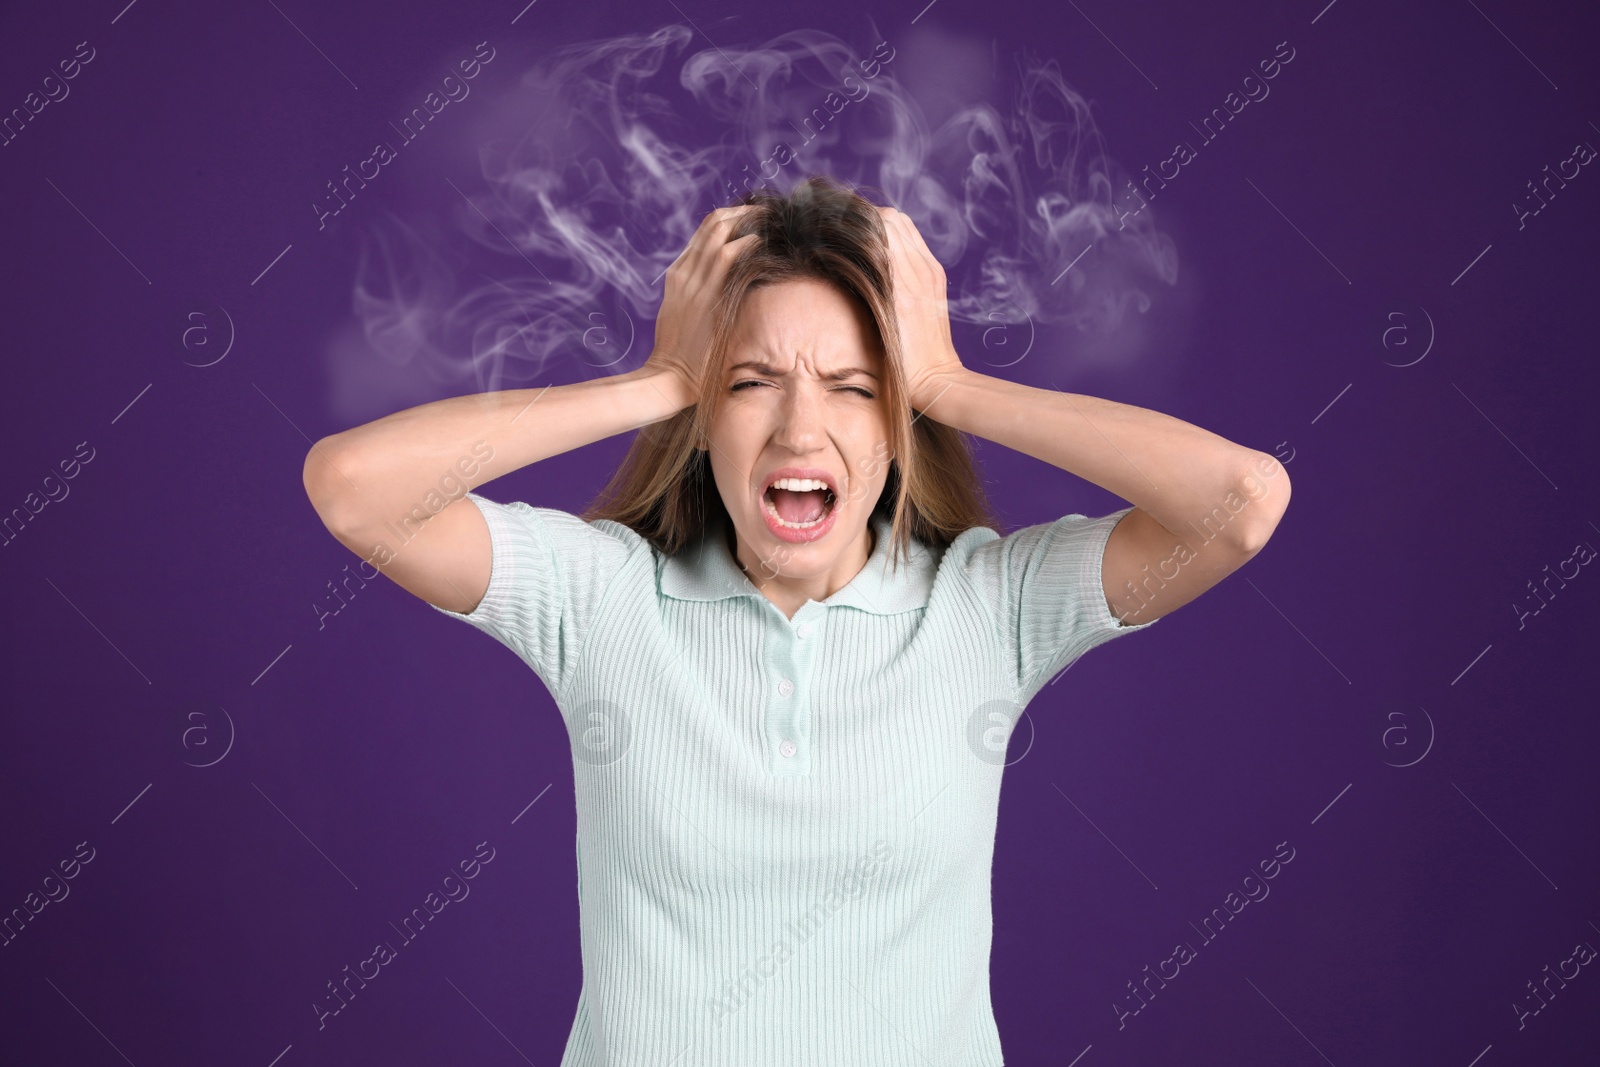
[(706, 570)]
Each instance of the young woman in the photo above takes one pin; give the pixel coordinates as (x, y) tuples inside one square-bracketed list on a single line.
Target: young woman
[(789, 646)]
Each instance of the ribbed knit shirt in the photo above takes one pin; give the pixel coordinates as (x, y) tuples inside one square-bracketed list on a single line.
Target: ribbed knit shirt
[(785, 827)]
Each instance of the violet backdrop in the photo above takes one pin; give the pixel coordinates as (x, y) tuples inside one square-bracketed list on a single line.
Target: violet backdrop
[(250, 789)]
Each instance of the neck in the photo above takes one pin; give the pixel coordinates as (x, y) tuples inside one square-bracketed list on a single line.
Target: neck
[(779, 589)]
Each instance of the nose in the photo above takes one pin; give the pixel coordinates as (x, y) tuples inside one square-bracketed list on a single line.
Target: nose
[(801, 423)]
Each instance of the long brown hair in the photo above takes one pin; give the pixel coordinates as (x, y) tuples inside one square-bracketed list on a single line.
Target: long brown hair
[(664, 489)]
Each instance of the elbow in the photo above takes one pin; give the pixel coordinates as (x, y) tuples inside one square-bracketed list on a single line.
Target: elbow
[(1264, 488), (326, 477)]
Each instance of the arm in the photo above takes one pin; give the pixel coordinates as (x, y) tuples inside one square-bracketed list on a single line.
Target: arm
[(1203, 505), (394, 490), (375, 483)]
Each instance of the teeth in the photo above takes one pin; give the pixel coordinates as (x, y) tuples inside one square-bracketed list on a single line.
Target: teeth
[(798, 485), (766, 502)]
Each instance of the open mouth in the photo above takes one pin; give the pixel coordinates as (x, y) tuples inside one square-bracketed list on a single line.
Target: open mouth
[(798, 503)]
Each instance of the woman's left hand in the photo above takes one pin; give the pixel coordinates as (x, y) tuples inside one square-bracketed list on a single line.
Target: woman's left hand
[(922, 310)]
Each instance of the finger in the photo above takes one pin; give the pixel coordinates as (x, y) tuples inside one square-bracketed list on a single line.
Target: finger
[(707, 223), (714, 231), (732, 211), (918, 248), (714, 259), (907, 236), (729, 254), (901, 246), (733, 217), (907, 229), (893, 238), (717, 214), (712, 219), (890, 230), (717, 242), (729, 251)]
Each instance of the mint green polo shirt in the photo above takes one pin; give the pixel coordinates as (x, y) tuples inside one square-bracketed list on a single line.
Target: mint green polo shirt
[(785, 827)]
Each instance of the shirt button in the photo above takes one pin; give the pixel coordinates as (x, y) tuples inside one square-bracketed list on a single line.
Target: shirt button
[(785, 687), (804, 629), (787, 748)]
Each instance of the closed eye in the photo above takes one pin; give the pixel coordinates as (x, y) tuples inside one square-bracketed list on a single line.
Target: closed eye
[(755, 381)]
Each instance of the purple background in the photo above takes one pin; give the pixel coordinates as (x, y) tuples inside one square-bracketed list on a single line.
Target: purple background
[(1376, 629)]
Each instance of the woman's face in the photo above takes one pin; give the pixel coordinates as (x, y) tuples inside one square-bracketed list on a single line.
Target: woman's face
[(801, 396)]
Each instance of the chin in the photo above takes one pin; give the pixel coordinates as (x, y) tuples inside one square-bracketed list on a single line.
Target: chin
[(799, 554)]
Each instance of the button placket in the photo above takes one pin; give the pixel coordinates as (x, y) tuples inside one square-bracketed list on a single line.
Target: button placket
[(788, 723)]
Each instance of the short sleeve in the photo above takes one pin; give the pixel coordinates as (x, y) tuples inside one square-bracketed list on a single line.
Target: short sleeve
[(548, 577), (1044, 583)]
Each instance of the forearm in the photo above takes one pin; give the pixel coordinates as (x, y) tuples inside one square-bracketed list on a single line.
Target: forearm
[(381, 470), (1172, 470)]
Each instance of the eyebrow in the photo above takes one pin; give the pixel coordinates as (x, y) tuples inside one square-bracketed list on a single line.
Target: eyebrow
[(769, 369)]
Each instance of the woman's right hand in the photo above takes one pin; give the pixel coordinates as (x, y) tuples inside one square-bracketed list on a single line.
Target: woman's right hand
[(693, 284)]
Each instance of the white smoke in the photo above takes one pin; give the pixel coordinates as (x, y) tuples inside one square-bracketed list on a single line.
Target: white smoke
[(606, 168)]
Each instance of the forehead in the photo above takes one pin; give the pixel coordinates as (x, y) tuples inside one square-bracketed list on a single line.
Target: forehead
[(804, 318)]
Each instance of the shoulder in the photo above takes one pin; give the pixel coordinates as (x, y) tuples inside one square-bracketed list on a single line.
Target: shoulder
[(1000, 567), (951, 568), (520, 529), (979, 542), (552, 521)]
